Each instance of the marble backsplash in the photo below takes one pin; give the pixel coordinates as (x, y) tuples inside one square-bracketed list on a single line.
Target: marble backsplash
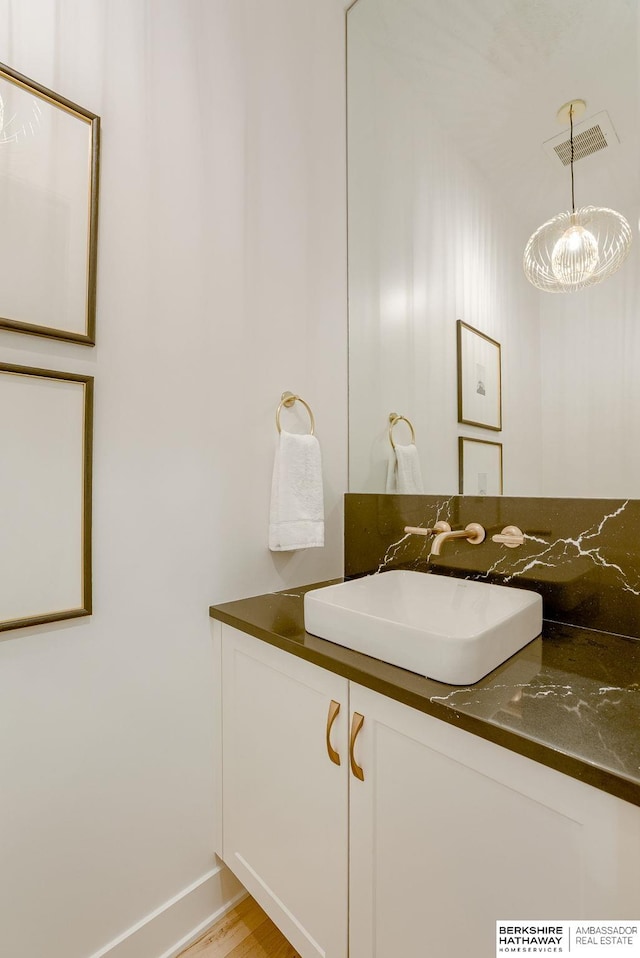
[(582, 555)]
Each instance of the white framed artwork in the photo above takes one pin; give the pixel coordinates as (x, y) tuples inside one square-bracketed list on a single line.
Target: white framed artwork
[(480, 467), (45, 495), (49, 171), (479, 379)]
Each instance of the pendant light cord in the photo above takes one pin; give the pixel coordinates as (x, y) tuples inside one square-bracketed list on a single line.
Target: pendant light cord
[(573, 200)]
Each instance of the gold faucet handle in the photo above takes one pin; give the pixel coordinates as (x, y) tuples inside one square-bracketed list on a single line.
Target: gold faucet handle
[(440, 526), (511, 537)]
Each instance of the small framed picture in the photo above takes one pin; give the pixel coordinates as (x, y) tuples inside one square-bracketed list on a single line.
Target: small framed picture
[(480, 467), (479, 379)]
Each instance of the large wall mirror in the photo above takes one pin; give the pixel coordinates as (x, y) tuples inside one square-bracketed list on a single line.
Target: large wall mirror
[(49, 151), (451, 133)]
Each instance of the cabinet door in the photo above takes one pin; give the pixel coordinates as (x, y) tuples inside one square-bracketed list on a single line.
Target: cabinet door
[(285, 802), (450, 833)]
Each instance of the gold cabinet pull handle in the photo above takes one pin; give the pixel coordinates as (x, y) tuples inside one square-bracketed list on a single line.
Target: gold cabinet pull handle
[(334, 708), (356, 724)]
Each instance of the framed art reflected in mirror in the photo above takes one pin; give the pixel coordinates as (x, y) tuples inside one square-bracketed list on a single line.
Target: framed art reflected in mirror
[(480, 467), (479, 378), (45, 495), (49, 167)]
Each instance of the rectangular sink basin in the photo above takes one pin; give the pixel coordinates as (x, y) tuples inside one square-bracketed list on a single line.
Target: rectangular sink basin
[(449, 629)]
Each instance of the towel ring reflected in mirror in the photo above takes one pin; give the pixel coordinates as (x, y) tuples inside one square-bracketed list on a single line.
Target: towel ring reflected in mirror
[(288, 399), (394, 419)]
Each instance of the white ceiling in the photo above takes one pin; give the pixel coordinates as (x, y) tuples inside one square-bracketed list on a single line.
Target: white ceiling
[(495, 72)]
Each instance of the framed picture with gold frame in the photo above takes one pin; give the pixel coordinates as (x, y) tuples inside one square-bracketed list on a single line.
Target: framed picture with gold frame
[(46, 429), (479, 467), (49, 170), (479, 378)]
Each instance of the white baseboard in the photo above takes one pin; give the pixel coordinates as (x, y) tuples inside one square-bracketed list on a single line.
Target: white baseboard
[(167, 930)]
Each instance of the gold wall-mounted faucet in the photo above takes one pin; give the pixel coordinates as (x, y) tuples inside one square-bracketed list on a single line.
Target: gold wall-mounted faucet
[(473, 533)]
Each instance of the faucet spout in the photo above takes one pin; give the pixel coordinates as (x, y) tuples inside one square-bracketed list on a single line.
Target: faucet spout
[(474, 533)]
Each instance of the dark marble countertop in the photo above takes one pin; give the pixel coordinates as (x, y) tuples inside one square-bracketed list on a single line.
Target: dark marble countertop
[(569, 700)]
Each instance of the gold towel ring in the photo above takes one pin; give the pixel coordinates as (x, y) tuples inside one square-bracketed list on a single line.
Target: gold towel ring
[(394, 418), (288, 399)]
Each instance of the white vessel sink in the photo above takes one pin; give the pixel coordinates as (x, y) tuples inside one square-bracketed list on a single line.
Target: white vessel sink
[(449, 629)]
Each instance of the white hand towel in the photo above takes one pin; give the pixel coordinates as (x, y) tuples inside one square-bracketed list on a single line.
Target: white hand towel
[(296, 520), (392, 474), (403, 471)]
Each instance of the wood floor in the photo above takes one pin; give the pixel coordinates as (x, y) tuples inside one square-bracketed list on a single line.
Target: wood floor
[(244, 932)]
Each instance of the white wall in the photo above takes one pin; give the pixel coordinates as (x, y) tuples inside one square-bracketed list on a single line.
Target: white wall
[(429, 243), (221, 284), (590, 343)]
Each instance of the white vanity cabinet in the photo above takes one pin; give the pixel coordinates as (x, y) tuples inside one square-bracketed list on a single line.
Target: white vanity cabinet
[(445, 834), (450, 833), (284, 799)]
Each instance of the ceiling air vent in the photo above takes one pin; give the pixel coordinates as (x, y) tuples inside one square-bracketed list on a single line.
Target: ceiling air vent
[(590, 136)]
